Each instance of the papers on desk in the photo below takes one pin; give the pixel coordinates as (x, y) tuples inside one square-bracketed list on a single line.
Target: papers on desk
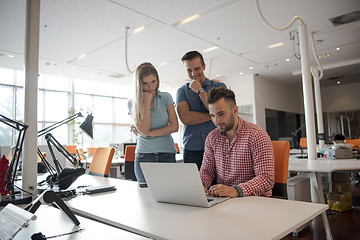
[(12, 220)]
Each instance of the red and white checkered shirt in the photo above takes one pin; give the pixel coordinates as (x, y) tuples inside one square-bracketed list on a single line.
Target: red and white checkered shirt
[(248, 162)]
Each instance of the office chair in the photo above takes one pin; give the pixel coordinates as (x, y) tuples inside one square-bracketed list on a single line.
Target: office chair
[(101, 162), (91, 151), (354, 142), (177, 148), (129, 162), (303, 142), (71, 149), (281, 157), (81, 154)]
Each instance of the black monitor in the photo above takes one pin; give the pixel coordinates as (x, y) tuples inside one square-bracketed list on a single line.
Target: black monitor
[(127, 144)]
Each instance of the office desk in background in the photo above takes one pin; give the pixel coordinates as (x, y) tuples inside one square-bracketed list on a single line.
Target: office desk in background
[(51, 221), (132, 208), (315, 168)]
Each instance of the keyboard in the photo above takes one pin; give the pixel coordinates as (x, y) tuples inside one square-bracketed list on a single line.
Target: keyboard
[(12, 220)]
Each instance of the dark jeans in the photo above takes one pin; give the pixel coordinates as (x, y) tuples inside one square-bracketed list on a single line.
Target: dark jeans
[(196, 157), (193, 157)]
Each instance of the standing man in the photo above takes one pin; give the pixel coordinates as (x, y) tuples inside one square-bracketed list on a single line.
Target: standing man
[(192, 107), (239, 154)]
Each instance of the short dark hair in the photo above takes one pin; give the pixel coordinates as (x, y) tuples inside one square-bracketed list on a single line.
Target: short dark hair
[(339, 137), (191, 55), (216, 94)]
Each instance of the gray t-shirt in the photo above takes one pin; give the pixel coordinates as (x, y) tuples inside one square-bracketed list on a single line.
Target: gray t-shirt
[(159, 119)]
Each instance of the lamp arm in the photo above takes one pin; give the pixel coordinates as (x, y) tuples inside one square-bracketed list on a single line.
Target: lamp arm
[(11, 172), (52, 141), (58, 124)]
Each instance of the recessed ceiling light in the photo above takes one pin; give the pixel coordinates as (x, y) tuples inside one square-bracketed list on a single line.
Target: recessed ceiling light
[(251, 68), (288, 60), (337, 49), (241, 73), (338, 82), (73, 67), (217, 75), (11, 56), (210, 49), (162, 64), (276, 45)]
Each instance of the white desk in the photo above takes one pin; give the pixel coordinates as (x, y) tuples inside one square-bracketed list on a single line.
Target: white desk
[(315, 168), (133, 208), (51, 221)]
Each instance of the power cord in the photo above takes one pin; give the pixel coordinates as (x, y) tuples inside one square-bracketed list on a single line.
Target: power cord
[(40, 236)]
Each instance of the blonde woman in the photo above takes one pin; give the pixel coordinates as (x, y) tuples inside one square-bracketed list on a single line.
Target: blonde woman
[(154, 119)]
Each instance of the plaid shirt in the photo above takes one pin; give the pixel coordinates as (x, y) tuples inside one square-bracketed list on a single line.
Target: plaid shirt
[(248, 162)]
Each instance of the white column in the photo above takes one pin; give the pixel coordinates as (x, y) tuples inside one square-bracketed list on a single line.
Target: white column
[(320, 123), (29, 172), (308, 92)]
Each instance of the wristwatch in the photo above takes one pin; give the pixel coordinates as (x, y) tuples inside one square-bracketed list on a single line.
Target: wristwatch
[(200, 91)]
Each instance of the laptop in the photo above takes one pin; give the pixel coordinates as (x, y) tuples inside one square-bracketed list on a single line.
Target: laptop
[(177, 183)]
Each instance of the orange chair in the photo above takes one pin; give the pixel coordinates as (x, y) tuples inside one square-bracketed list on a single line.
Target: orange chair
[(177, 148), (71, 149), (39, 158), (91, 151), (281, 157), (81, 154), (129, 162), (354, 142), (303, 142), (101, 162)]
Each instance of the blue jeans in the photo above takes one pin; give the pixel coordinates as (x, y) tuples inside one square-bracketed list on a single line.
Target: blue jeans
[(193, 157), (150, 157)]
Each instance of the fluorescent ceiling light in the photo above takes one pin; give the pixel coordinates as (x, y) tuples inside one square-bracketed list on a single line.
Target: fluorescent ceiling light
[(276, 45), (81, 56), (189, 19), (139, 29), (186, 20), (324, 55), (210, 49)]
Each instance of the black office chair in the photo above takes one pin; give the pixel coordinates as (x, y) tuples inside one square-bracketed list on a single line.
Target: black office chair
[(129, 162)]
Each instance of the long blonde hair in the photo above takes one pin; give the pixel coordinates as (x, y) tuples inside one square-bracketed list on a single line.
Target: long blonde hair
[(143, 70)]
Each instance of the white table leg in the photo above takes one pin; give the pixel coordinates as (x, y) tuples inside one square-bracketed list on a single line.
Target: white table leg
[(317, 184)]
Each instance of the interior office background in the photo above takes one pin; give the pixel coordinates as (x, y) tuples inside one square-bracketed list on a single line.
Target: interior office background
[(276, 107)]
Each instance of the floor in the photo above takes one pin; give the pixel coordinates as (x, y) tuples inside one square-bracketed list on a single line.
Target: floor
[(344, 225)]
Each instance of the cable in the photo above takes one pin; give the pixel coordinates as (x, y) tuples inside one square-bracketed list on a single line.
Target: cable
[(314, 70), (273, 27), (126, 57)]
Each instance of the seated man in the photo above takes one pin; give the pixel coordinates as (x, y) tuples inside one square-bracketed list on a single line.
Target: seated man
[(238, 153)]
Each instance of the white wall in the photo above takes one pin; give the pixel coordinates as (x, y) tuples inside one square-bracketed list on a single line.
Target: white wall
[(341, 98), (243, 87)]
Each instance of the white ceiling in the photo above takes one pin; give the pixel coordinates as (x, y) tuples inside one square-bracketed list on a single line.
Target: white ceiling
[(96, 28)]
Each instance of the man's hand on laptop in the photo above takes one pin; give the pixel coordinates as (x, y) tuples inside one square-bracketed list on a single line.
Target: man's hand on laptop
[(221, 190)]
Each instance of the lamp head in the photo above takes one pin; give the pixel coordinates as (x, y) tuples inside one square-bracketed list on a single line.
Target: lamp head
[(87, 125)]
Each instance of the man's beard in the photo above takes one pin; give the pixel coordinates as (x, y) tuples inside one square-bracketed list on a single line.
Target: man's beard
[(229, 125)]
